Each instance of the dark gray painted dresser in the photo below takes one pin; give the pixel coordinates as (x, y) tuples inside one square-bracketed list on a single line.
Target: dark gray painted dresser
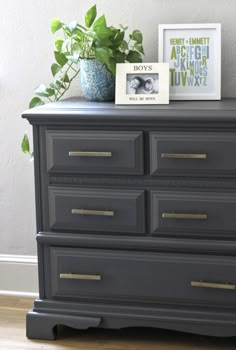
[(136, 216)]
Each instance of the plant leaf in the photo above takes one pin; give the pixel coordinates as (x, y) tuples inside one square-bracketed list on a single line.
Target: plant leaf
[(119, 56), (134, 57), (36, 101), (43, 91), (76, 47), (60, 58), (103, 32), (78, 34), (50, 92), (58, 44), (66, 47), (65, 78), (118, 39), (25, 146), (101, 21), (112, 66), (55, 68), (124, 46), (103, 43), (103, 55), (139, 47), (56, 84), (55, 25), (74, 58), (119, 36), (71, 26), (137, 36), (90, 16)]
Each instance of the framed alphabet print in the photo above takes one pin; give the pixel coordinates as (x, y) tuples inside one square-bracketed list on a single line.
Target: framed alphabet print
[(193, 52), (142, 83)]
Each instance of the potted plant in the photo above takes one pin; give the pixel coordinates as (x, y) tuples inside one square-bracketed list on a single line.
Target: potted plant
[(93, 49)]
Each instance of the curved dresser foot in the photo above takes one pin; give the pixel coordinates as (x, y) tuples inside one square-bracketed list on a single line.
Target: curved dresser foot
[(43, 325)]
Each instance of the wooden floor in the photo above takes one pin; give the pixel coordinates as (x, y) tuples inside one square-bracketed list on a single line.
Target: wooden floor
[(12, 335)]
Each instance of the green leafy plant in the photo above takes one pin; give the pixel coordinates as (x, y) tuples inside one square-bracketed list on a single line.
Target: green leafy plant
[(93, 39)]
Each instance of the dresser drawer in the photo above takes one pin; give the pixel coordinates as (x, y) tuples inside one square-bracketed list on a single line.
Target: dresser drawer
[(94, 152), (107, 274), (96, 210), (192, 153), (191, 213)]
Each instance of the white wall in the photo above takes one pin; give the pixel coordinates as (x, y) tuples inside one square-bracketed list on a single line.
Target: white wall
[(26, 48)]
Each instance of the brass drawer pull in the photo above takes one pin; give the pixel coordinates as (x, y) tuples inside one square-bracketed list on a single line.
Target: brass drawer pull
[(92, 212), (89, 154), (184, 155), (78, 276), (202, 284), (184, 216)]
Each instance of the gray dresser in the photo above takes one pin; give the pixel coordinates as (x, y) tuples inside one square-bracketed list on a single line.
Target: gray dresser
[(136, 216)]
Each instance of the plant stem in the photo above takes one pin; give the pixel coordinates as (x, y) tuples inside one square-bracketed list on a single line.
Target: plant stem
[(67, 88), (81, 27), (73, 69)]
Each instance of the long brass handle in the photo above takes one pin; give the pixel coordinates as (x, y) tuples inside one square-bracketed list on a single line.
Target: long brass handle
[(184, 216), (184, 155), (78, 276), (202, 284), (89, 154), (92, 212)]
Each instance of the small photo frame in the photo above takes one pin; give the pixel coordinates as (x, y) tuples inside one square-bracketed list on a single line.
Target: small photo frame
[(193, 52), (142, 83)]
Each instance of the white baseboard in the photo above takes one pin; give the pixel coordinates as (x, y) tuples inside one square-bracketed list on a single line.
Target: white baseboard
[(19, 275)]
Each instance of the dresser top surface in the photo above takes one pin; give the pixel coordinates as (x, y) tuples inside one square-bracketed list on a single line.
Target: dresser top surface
[(78, 109)]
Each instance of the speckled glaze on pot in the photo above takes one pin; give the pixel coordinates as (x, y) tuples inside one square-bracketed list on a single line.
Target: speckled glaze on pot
[(98, 84)]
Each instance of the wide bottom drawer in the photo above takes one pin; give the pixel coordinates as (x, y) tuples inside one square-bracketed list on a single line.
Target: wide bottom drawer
[(138, 276)]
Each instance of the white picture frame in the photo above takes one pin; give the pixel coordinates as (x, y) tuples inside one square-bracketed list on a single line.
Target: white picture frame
[(142, 83), (193, 52)]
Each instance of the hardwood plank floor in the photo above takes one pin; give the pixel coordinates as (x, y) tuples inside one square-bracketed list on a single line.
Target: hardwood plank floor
[(12, 335)]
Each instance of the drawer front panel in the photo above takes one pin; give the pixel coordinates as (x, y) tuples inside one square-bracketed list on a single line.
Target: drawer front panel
[(94, 152), (209, 214), (192, 153), (96, 210), (146, 277)]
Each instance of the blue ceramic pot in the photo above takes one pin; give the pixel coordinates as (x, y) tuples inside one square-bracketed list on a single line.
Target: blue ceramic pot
[(98, 84)]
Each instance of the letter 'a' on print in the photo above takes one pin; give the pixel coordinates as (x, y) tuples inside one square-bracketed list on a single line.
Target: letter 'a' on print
[(193, 52)]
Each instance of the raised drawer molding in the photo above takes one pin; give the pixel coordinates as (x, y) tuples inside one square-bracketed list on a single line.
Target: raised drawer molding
[(136, 221), (193, 153), (97, 152), (96, 210), (117, 275), (193, 213)]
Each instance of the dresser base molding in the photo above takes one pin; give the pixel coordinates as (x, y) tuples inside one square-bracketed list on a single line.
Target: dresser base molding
[(42, 320)]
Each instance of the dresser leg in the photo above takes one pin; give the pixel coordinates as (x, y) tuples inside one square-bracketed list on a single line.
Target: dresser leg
[(41, 325)]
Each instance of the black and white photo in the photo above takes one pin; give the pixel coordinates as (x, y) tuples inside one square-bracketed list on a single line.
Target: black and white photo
[(142, 84)]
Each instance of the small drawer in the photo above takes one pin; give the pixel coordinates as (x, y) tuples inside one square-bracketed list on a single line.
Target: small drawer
[(96, 210), (138, 276), (193, 213), (94, 152), (192, 153)]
